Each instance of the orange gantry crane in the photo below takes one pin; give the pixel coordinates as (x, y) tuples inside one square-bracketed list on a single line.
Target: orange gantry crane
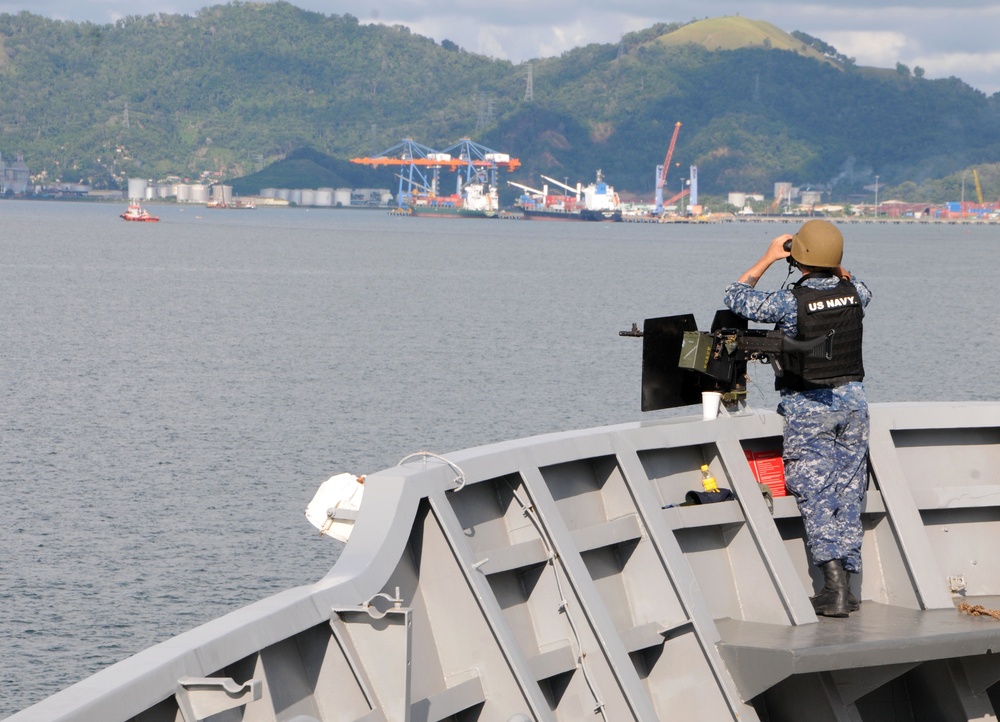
[(421, 166)]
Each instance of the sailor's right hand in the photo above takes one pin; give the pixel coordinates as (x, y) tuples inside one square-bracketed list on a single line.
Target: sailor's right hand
[(776, 251)]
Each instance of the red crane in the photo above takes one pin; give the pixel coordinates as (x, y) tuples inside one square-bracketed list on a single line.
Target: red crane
[(661, 176)]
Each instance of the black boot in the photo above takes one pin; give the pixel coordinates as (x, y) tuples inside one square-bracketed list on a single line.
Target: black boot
[(821, 599), (833, 600)]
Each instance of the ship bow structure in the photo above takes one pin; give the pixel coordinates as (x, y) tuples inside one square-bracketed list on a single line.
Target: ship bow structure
[(568, 577)]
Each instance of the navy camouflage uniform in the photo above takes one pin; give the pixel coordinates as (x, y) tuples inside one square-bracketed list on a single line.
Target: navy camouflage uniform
[(826, 434)]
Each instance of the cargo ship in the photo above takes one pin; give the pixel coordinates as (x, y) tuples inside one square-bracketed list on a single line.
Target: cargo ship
[(477, 200), (595, 202)]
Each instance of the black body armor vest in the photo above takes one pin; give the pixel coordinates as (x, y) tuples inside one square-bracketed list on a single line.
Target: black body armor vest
[(820, 310)]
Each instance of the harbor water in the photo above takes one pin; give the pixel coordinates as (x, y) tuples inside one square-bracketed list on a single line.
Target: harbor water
[(173, 393)]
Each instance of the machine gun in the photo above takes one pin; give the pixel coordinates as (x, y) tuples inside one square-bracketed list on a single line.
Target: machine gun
[(679, 361)]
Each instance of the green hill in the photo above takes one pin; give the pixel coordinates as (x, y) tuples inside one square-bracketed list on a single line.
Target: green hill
[(734, 33), (308, 168), (247, 86)]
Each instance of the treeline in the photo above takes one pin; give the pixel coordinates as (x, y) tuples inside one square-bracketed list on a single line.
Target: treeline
[(239, 86)]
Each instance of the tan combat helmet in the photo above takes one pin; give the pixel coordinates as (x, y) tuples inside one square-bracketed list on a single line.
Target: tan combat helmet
[(818, 244)]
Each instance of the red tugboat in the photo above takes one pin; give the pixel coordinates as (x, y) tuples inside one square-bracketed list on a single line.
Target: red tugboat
[(135, 212)]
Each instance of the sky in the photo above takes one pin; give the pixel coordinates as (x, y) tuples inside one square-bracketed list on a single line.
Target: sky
[(958, 38)]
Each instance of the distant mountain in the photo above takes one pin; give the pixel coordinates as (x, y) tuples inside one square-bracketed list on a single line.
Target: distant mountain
[(243, 87), (751, 116)]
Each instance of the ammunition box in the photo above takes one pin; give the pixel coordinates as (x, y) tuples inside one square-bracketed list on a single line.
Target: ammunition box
[(696, 351)]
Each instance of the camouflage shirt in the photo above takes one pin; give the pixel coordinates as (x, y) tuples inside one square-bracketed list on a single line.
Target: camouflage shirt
[(780, 308)]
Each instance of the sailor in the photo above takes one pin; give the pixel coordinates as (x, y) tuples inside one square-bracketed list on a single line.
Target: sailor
[(826, 424)]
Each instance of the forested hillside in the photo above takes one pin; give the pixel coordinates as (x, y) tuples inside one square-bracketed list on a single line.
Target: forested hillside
[(242, 85)]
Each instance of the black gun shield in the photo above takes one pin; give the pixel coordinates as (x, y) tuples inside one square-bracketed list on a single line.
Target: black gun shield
[(664, 384), (726, 319)]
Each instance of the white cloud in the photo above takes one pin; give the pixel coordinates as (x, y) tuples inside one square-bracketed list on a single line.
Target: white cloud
[(981, 70), (879, 48)]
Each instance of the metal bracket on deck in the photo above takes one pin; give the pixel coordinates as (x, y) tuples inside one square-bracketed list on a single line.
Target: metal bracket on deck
[(201, 697), (377, 642)]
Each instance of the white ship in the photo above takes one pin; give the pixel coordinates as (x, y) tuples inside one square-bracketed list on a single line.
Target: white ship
[(597, 201)]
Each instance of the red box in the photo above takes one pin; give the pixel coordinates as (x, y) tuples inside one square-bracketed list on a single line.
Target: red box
[(768, 469)]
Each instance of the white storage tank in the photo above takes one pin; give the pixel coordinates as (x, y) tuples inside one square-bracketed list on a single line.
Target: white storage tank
[(308, 197), (199, 194), (282, 194), (222, 195), (183, 193), (367, 196), (268, 192), (324, 197), (342, 197), (137, 188), (295, 196), (737, 199), (811, 198)]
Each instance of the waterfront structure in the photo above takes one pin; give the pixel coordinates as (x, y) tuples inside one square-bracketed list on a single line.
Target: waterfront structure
[(14, 177)]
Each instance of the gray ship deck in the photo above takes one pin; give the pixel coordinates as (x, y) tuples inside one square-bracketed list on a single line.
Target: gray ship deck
[(878, 635), (559, 578)]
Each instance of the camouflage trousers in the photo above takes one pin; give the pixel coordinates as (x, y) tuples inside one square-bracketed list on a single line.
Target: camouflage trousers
[(825, 456)]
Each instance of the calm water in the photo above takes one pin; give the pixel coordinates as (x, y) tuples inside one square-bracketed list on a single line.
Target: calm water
[(174, 393)]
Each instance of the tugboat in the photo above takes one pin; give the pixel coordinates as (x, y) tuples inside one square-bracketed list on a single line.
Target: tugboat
[(136, 212)]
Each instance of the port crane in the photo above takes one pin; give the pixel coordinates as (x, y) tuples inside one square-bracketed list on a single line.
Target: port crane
[(529, 189), (541, 196), (421, 166), (675, 197), (661, 173), (479, 163), (576, 191), (979, 188)]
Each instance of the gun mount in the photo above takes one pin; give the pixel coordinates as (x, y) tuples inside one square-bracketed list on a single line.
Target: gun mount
[(679, 361)]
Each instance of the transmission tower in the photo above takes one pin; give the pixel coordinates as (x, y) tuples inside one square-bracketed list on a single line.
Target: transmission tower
[(529, 88), (485, 118)]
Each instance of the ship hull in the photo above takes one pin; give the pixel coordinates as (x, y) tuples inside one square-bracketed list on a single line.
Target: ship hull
[(548, 215), (583, 215), (571, 562), (601, 216), (450, 212)]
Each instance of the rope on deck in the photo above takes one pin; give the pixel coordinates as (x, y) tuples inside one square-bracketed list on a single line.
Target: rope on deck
[(978, 610)]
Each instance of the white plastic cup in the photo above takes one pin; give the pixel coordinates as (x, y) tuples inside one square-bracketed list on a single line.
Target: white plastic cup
[(710, 401)]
